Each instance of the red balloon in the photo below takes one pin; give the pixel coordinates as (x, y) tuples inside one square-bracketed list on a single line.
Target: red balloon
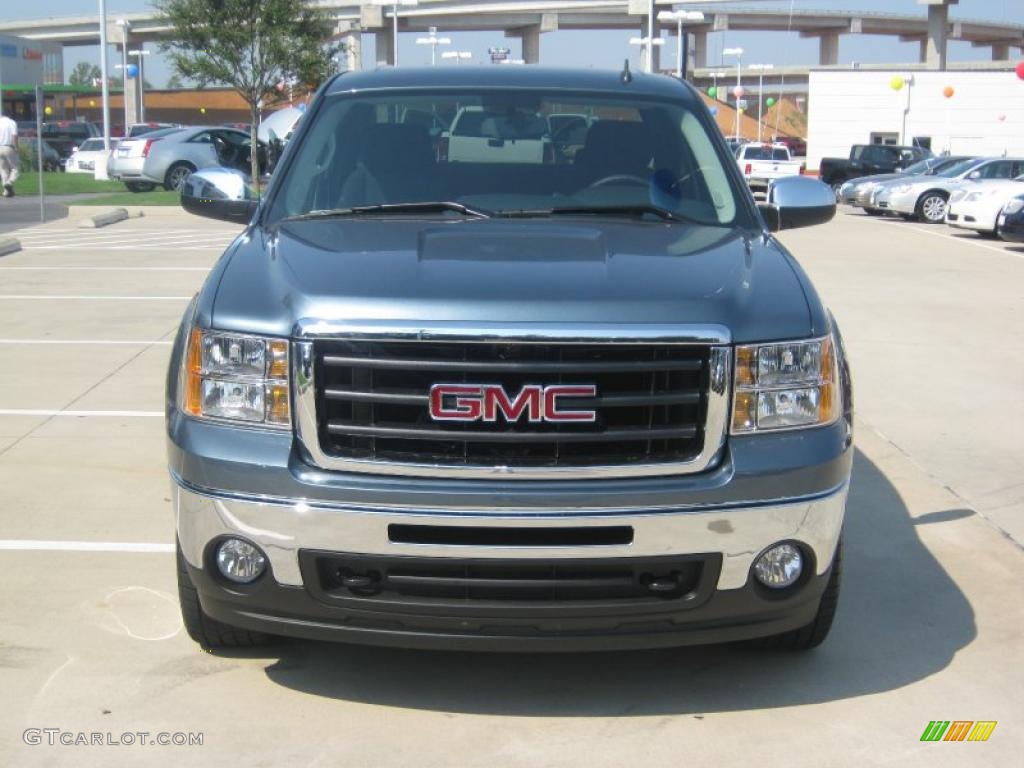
[(1020, 69)]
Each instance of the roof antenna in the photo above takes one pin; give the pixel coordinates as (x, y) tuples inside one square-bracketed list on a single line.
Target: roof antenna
[(626, 76)]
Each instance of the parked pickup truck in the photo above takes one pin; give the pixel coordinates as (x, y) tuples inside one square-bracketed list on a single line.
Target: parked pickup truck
[(866, 160), (762, 164), (510, 405)]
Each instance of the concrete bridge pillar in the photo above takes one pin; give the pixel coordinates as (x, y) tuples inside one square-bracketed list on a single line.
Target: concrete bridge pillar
[(385, 48), (1000, 52), (828, 48), (938, 32), (699, 50)]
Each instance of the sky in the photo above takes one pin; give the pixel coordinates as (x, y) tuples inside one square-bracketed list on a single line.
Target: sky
[(608, 48)]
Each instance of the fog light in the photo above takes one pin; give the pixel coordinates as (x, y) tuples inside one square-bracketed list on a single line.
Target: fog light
[(780, 566), (240, 561)]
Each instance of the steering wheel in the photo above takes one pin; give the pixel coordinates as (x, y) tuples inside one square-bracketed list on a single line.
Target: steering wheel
[(619, 178)]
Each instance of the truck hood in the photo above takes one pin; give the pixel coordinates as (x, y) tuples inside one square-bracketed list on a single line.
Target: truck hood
[(513, 271)]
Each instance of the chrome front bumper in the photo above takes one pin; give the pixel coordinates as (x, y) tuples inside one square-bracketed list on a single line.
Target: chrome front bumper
[(283, 527)]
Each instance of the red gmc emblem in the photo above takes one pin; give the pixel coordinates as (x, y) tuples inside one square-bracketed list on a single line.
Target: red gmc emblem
[(483, 402)]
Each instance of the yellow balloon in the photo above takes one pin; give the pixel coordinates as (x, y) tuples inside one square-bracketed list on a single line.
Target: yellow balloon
[(896, 83), (92, 102), (202, 110), (48, 110)]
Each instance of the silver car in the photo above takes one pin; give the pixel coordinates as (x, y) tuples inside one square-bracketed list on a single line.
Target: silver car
[(127, 160), (177, 156)]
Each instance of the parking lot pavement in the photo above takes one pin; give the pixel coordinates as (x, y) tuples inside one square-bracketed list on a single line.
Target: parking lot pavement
[(929, 627)]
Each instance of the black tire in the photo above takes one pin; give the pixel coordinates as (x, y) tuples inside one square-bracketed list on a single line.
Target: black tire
[(931, 207), (139, 186), (873, 211), (209, 633), (812, 635), (176, 175)]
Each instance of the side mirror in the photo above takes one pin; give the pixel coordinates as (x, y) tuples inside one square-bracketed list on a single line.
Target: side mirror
[(974, 175), (219, 193), (797, 201)]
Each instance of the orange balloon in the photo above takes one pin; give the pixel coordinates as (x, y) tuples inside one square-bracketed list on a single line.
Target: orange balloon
[(948, 91)]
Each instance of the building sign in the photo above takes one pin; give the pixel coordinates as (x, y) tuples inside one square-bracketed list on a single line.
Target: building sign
[(499, 54), (32, 54), (8, 51)]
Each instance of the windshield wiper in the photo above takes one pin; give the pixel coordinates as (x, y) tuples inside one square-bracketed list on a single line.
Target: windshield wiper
[(639, 209), (388, 208)]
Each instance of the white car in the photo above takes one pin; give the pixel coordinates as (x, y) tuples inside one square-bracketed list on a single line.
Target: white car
[(83, 158), (479, 136), (978, 208), (925, 197)]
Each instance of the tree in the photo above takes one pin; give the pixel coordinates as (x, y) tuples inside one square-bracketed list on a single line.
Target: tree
[(250, 45), (174, 82), (83, 74)]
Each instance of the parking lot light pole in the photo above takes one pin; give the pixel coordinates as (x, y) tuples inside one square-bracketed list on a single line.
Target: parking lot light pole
[(760, 69), (105, 84), (679, 17), (738, 53), (433, 41), (140, 53), (394, 20), (646, 51), (459, 56)]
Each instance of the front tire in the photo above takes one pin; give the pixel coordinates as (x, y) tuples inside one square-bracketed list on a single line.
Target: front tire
[(813, 634), (931, 208), (209, 633), (177, 175)]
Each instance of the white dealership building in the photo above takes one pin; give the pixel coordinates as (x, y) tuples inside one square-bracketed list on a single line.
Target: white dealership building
[(983, 116)]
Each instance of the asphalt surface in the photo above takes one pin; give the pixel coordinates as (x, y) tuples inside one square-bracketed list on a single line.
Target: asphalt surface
[(930, 624)]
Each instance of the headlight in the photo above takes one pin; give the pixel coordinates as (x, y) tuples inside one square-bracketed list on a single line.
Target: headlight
[(787, 385), (960, 194), (232, 377), (1014, 206)]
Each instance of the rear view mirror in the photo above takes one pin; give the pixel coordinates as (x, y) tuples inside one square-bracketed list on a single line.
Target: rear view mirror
[(974, 175), (797, 201), (219, 193)]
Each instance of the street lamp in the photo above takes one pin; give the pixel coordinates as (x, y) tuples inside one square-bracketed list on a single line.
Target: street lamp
[(394, 18), (646, 54), (139, 53), (681, 42), (760, 69), (433, 41), (125, 26), (459, 56), (738, 53), (714, 80)]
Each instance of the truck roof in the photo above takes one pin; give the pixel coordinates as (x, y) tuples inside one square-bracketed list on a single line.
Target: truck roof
[(526, 77)]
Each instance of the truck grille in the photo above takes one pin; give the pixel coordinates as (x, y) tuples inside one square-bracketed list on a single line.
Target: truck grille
[(372, 402)]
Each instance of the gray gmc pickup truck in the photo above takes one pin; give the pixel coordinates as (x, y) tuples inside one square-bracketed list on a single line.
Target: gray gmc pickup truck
[(571, 395)]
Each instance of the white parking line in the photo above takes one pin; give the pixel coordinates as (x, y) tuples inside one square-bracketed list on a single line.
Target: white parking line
[(99, 342), (39, 545), (42, 297), (964, 240), (52, 412), (106, 269)]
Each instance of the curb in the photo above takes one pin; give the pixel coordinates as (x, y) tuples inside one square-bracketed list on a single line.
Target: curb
[(9, 245), (103, 219), (134, 211)]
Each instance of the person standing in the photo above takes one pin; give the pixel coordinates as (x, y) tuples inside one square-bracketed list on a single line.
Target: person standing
[(8, 154)]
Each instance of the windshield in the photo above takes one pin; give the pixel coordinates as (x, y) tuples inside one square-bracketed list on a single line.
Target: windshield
[(919, 167), (159, 134), (957, 168), (92, 145), (495, 152)]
